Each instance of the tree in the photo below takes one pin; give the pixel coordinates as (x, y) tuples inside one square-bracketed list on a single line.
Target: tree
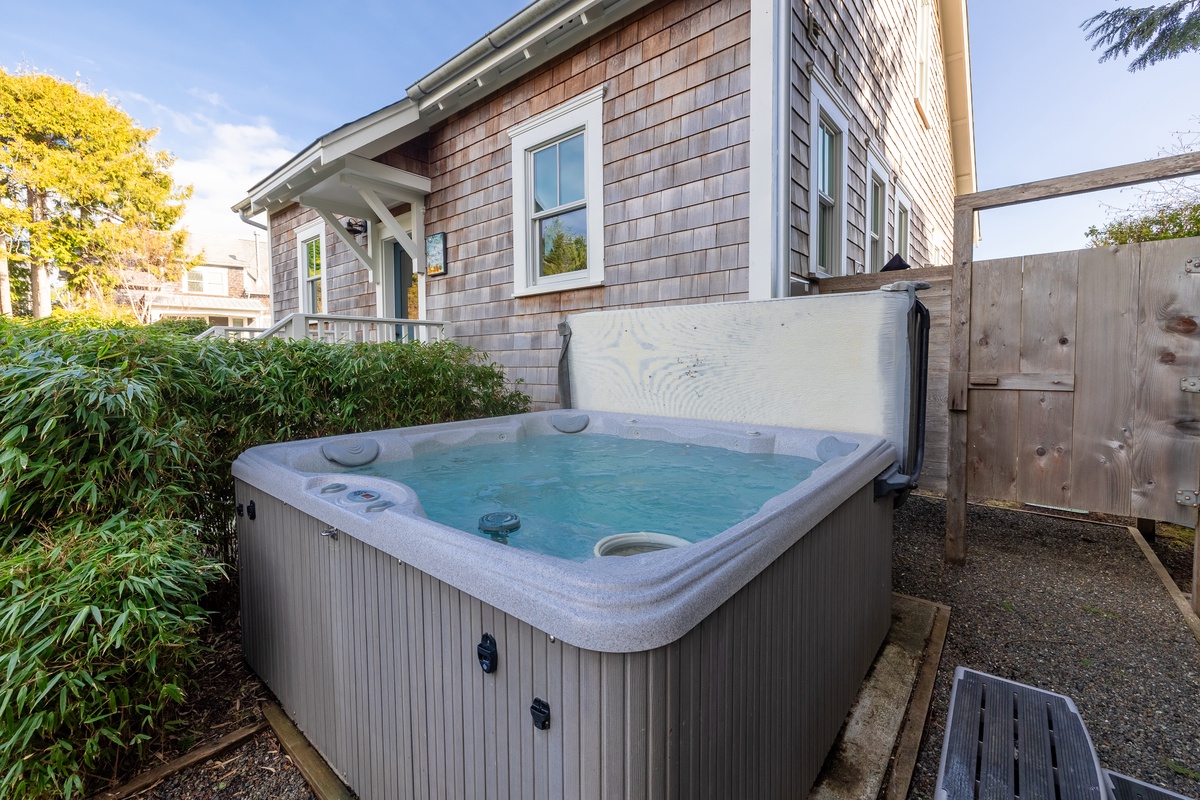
[(1159, 32), (1171, 220), (1167, 210), (79, 184), (563, 250)]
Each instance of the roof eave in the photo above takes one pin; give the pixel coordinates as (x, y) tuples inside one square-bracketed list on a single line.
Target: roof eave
[(534, 35), (956, 53)]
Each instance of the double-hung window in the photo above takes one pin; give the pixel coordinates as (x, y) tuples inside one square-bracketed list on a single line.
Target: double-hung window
[(827, 208), (924, 46), (877, 203), (903, 223), (310, 258), (558, 219)]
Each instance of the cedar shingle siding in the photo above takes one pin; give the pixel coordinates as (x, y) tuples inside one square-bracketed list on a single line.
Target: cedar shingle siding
[(348, 288), (878, 45), (676, 152), (676, 124)]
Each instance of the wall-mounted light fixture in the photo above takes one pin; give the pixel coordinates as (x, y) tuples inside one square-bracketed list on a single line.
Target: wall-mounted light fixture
[(356, 227)]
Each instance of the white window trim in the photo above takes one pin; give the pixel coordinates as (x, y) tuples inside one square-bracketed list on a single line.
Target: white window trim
[(823, 104), (316, 229), (586, 113), (875, 167), (902, 201), (215, 280)]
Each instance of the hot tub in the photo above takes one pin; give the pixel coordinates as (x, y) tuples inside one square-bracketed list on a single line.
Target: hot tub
[(426, 661)]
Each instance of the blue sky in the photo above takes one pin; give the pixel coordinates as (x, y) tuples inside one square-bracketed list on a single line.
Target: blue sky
[(236, 88)]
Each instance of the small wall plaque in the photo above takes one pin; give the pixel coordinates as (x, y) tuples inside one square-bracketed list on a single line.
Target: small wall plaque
[(435, 254)]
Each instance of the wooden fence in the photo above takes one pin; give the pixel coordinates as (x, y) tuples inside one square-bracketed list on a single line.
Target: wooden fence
[(1163, 441), (1076, 363), (1078, 381)]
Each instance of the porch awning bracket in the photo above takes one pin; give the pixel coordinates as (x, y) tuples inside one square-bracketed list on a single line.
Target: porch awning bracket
[(365, 257), (393, 226)]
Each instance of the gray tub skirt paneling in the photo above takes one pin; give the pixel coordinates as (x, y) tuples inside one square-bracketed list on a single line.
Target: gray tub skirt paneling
[(375, 661)]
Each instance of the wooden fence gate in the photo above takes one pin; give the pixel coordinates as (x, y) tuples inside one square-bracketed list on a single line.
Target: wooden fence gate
[(1078, 380), (1076, 373)]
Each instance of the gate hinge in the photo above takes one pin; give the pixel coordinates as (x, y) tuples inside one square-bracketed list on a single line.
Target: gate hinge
[(1189, 384), (1192, 265), (1188, 497)]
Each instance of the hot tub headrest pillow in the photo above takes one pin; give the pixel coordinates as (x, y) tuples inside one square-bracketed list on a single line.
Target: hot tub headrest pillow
[(352, 453)]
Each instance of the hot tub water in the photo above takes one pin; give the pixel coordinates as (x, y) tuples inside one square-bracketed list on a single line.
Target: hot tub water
[(572, 491)]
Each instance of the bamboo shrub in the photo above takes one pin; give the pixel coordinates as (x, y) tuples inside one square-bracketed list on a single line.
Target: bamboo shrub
[(116, 504)]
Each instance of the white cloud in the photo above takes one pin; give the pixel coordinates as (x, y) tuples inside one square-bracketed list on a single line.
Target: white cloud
[(224, 162), (220, 159), (212, 98)]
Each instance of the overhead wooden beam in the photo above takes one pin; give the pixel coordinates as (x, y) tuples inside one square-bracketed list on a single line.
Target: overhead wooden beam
[(340, 208), (1110, 178), (384, 178), (340, 230)]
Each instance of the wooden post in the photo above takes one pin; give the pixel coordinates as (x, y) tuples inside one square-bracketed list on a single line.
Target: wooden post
[(1196, 571), (960, 355)]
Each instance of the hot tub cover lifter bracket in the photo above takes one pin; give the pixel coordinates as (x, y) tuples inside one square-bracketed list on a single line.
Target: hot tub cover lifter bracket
[(901, 479)]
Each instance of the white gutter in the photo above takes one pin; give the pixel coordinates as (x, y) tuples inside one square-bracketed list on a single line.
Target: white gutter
[(499, 36)]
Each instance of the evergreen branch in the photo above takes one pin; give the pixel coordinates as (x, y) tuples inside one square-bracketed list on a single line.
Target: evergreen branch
[(1160, 32)]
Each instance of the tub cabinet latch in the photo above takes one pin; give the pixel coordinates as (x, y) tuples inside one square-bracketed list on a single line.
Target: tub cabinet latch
[(250, 512), (241, 510), (332, 533), (488, 655), (541, 713)]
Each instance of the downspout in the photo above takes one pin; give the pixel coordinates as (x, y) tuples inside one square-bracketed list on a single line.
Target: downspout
[(781, 245), (248, 221)]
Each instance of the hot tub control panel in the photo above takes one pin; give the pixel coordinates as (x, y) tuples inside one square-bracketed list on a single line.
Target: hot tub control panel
[(367, 499)]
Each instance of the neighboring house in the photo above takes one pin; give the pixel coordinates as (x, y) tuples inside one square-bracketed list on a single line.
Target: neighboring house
[(230, 286), (590, 154)]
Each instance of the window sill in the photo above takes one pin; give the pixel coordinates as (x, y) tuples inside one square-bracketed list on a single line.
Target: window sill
[(548, 288)]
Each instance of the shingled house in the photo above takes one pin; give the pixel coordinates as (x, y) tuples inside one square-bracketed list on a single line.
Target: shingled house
[(229, 285), (604, 153)]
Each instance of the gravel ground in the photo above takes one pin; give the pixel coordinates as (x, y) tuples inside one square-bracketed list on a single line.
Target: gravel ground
[(258, 770), (1068, 606)]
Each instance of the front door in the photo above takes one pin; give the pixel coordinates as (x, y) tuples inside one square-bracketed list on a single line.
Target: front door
[(402, 281)]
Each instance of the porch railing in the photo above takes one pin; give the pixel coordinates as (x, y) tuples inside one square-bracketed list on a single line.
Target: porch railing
[(230, 332), (339, 329)]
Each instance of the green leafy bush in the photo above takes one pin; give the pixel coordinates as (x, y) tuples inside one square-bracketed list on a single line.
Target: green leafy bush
[(189, 326), (115, 491), (97, 630)]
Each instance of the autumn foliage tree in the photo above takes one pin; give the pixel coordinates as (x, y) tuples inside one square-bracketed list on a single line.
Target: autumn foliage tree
[(81, 189)]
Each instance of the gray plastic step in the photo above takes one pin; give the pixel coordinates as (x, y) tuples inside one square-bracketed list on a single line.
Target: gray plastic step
[(1123, 787), (1007, 740)]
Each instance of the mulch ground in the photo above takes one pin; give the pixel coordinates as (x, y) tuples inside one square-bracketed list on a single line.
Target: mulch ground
[(226, 696), (1173, 546)]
